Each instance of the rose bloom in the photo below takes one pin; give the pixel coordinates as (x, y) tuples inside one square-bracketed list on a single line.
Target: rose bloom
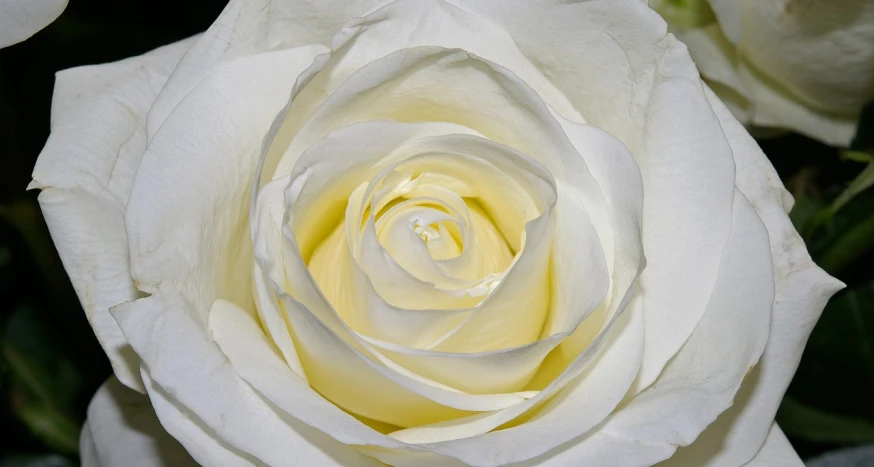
[(802, 65), (426, 233)]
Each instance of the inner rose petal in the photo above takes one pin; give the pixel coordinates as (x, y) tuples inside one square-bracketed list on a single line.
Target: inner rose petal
[(485, 253), (405, 197)]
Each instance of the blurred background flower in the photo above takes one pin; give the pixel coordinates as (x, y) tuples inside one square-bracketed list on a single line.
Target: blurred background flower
[(800, 65), (20, 19)]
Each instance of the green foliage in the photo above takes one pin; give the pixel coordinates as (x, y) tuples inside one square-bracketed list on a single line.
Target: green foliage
[(44, 382)]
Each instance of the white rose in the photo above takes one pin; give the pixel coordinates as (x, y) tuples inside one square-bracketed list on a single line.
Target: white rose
[(20, 19), (805, 66), (483, 232)]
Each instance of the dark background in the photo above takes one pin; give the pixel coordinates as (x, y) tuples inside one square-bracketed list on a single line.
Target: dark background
[(51, 364)]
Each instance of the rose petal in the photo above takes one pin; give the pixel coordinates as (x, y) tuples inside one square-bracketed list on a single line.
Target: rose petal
[(801, 292), (601, 54), (404, 24), (86, 170), (702, 379), (201, 442), (187, 215), (688, 179), (277, 24), (719, 64), (332, 354), (579, 406), (203, 383), (618, 177), (250, 352)]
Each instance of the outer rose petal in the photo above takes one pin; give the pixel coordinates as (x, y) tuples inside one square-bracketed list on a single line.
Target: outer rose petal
[(187, 214), (802, 290), (776, 452), (206, 405), (86, 170), (122, 430), (20, 19), (247, 27)]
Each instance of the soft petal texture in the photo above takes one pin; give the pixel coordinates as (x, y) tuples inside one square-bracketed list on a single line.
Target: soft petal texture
[(776, 451), (703, 377), (597, 380), (687, 205), (20, 19), (122, 430), (174, 195), (606, 74), (202, 444), (236, 414), (693, 389), (86, 170), (802, 290), (278, 24)]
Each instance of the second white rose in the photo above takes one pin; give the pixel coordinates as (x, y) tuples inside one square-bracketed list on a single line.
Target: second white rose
[(804, 66)]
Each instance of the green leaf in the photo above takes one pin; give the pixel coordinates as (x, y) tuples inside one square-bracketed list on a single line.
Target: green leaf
[(35, 361), (857, 156), (29, 375), (860, 183), (800, 420), (851, 245), (49, 425), (42, 384)]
